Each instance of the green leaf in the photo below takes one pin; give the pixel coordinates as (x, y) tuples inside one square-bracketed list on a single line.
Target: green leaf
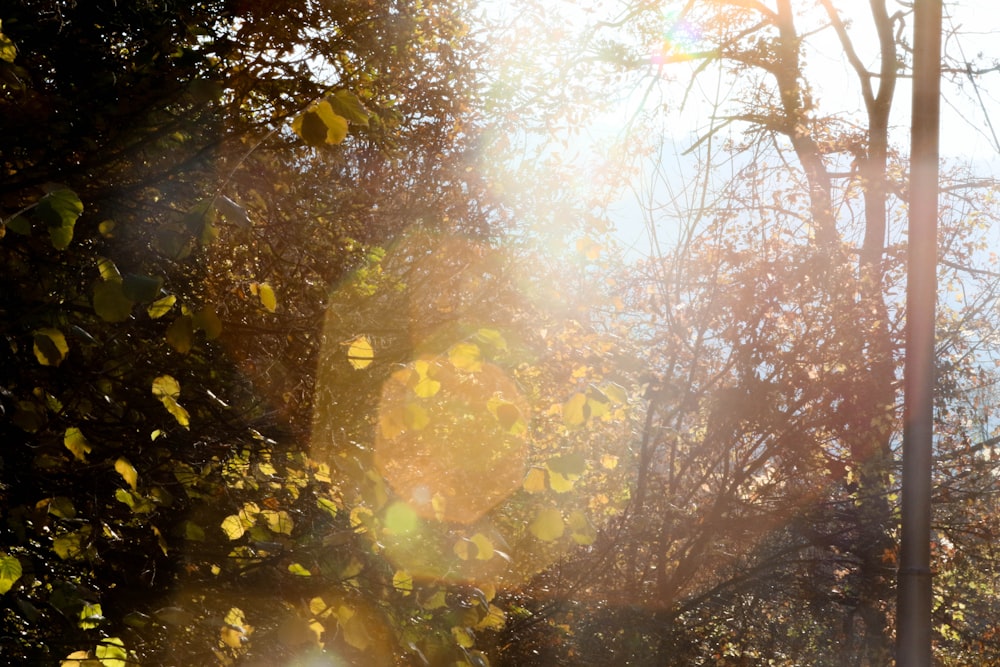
[(232, 212), (110, 302), (141, 289), (180, 334), (206, 320), (60, 209), (50, 346), (76, 443), (61, 507), (346, 104), (401, 519), (19, 225), (10, 572), (547, 525)]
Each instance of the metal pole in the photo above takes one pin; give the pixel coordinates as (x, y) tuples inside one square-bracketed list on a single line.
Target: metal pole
[(913, 602)]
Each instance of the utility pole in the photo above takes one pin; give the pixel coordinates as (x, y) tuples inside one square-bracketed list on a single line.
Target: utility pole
[(913, 600)]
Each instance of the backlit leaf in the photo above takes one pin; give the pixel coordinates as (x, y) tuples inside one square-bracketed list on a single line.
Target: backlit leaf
[(534, 481), (360, 352), (161, 307), (180, 334), (233, 527), (401, 519), (266, 295), (76, 443), (206, 320), (402, 581), (127, 471), (50, 346), (8, 52), (10, 572), (582, 531), (347, 104), (70, 546), (59, 210), (278, 521), (547, 525), (466, 357), (484, 546), (575, 411), (91, 616), (232, 212), (141, 289), (167, 389), (110, 302), (616, 393), (298, 570), (320, 125), (111, 652)]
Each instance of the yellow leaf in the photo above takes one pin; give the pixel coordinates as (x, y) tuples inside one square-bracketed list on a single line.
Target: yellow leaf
[(561, 483), (484, 547), (575, 410), (427, 388), (547, 525), (463, 637), (534, 481), (402, 581), (165, 386), (50, 346), (161, 307), (415, 417), (360, 352), (278, 521), (495, 619), (266, 295), (233, 527), (435, 601), (167, 389), (128, 473), (581, 529), (609, 461), (466, 357), (76, 443), (320, 125), (355, 632), (298, 570), (10, 572)]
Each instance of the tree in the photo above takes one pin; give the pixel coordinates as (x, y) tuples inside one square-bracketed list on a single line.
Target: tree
[(182, 184)]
